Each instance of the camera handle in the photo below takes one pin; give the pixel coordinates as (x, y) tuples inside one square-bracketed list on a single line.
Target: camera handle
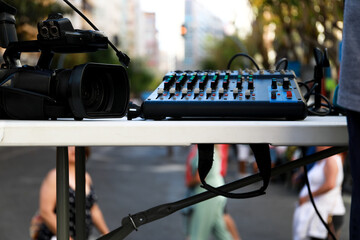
[(13, 51)]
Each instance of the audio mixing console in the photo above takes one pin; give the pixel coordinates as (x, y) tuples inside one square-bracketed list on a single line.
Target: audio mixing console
[(262, 94)]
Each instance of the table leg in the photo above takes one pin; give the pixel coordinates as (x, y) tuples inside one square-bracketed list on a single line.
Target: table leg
[(62, 193), (80, 196)]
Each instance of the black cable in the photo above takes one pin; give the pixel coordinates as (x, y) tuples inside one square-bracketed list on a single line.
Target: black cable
[(309, 81), (281, 61), (123, 58), (301, 84), (242, 55), (311, 91), (328, 105), (314, 205)]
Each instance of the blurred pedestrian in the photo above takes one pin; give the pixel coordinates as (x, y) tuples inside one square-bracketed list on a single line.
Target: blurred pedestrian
[(209, 216), (245, 157), (47, 203), (349, 98), (325, 179)]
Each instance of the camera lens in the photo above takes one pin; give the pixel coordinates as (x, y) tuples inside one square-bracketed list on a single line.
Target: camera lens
[(94, 94), (97, 90)]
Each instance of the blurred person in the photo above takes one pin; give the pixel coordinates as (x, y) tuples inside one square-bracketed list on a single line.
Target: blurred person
[(297, 178), (349, 98), (325, 179), (47, 203), (245, 157), (208, 216)]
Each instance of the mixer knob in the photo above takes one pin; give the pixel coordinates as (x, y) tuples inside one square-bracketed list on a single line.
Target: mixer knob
[(184, 92), (286, 83), (172, 92), (169, 80), (203, 81), (235, 92), (196, 92), (191, 81), (214, 81), (221, 92), (273, 95), (239, 83), (251, 84), (274, 83), (180, 81), (208, 92), (226, 81), (160, 91), (247, 94)]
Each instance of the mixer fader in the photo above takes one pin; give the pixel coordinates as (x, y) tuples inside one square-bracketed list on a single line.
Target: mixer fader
[(264, 94)]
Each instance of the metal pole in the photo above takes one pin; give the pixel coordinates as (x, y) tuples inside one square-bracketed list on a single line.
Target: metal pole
[(80, 195), (62, 193)]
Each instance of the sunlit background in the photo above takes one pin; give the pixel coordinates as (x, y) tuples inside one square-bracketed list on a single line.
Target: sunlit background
[(161, 35)]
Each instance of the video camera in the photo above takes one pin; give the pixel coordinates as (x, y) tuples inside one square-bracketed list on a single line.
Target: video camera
[(90, 90)]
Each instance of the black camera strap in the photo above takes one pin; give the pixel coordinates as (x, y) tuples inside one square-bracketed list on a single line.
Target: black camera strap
[(263, 160)]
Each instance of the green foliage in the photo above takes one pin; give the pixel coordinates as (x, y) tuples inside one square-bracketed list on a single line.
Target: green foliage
[(30, 12), (103, 56), (141, 78), (221, 51), (301, 25)]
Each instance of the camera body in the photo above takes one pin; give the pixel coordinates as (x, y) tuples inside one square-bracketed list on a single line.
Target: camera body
[(90, 90)]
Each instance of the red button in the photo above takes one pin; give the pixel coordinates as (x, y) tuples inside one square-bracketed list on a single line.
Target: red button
[(288, 94), (273, 95)]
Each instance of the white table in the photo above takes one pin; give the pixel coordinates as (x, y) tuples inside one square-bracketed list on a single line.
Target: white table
[(120, 132), (313, 131)]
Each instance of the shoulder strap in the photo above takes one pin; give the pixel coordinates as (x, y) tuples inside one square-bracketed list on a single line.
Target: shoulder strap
[(262, 156)]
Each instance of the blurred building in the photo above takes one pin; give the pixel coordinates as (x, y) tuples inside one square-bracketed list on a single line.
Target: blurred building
[(123, 22), (151, 51), (201, 26)]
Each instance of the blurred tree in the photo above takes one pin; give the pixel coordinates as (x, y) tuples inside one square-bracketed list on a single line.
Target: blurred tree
[(141, 78), (221, 51), (294, 27), (30, 12)]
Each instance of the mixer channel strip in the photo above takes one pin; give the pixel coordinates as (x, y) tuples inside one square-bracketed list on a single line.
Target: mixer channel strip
[(265, 94)]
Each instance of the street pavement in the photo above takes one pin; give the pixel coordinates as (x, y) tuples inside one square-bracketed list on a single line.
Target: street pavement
[(128, 180)]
